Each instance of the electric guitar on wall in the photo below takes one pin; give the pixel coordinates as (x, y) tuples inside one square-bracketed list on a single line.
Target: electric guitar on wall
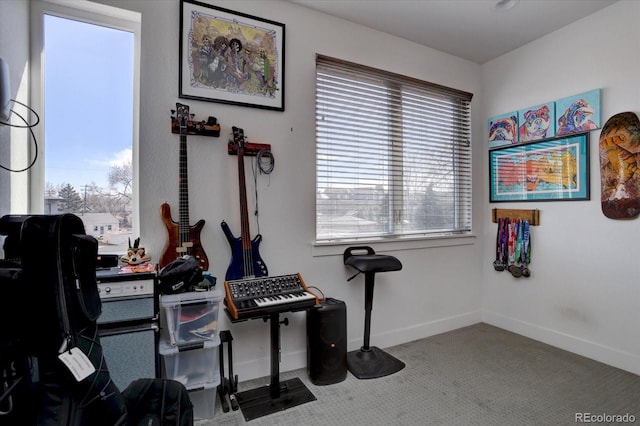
[(245, 258), (183, 239)]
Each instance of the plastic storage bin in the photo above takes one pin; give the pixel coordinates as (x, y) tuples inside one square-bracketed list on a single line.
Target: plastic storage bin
[(204, 401), (193, 316), (194, 366)]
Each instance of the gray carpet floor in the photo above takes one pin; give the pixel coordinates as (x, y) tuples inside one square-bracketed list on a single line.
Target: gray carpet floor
[(476, 375)]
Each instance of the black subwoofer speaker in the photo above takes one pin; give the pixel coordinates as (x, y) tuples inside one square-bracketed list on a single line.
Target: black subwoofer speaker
[(327, 342)]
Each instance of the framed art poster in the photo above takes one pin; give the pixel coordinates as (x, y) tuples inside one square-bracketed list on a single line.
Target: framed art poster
[(230, 57), (550, 170)]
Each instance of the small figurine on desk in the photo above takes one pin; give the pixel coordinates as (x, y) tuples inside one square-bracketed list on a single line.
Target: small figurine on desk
[(136, 259), (135, 255)]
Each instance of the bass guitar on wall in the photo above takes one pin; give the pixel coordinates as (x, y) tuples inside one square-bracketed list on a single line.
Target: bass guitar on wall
[(245, 257), (183, 239)]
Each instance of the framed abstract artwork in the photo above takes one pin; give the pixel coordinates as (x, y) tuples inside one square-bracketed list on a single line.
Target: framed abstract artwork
[(550, 170), (503, 129), (230, 57), (578, 113), (537, 123)]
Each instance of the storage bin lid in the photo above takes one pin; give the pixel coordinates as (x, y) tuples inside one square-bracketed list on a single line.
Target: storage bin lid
[(166, 348), (204, 387), (211, 296)]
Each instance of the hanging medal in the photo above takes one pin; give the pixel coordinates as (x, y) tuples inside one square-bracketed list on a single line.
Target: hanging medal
[(511, 243), (498, 264), (517, 236), (518, 240), (504, 244), (526, 249)]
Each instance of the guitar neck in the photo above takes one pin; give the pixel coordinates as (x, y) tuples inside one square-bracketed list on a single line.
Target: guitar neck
[(244, 212), (184, 193)]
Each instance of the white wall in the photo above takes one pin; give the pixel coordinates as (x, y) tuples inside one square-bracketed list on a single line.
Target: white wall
[(15, 144), (584, 292), (437, 290)]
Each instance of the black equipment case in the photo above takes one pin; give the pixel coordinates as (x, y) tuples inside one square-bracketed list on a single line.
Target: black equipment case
[(48, 279)]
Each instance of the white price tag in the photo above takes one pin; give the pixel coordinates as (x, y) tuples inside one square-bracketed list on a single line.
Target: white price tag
[(78, 363)]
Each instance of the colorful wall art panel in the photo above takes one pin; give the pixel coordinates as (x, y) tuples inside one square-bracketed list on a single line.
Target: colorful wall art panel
[(550, 170), (578, 113), (503, 130), (619, 147), (537, 122)]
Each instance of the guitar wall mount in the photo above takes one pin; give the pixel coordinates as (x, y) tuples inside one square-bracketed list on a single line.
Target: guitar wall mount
[(198, 128), (250, 148)]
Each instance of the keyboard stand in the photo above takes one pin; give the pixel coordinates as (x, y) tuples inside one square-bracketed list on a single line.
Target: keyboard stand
[(278, 395)]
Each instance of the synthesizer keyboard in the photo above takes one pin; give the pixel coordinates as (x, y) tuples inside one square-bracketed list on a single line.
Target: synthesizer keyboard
[(259, 297)]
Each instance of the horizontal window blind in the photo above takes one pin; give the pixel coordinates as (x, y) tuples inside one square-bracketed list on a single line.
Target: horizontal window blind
[(393, 154)]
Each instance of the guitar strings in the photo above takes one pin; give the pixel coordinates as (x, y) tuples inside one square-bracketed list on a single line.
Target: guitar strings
[(263, 164)]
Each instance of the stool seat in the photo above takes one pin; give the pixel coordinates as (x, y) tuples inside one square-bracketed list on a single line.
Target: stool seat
[(369, 361), (373, 263)]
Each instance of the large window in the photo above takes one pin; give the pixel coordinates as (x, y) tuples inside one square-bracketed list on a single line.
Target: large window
[(86, 74), (393, 155)]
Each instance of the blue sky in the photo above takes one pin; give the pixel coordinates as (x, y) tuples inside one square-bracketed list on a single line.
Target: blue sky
[(88, 102)]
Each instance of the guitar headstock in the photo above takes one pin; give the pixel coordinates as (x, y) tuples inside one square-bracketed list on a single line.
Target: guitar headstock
[(182, 116), (238, 136)]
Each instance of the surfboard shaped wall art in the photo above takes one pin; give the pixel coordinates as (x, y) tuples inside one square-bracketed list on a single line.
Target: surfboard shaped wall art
[(619, 171)]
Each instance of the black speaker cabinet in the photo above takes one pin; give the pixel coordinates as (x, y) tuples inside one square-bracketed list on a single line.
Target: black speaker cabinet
[(327, 342)]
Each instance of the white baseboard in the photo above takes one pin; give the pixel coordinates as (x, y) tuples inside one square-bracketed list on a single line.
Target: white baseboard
[(420, 331), (293, 360), (607, 355)]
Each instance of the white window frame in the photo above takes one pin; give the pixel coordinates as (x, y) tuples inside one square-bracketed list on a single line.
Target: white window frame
[(92, 13)]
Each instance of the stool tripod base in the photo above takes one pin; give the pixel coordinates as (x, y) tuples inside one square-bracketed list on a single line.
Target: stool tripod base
[(372, 363)]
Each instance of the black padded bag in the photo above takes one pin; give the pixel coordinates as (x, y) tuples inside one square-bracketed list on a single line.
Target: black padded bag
[(48, 276), (59, 263), (179, 276), (158, 402)]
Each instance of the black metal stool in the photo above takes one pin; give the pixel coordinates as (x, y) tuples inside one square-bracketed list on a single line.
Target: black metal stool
[(370, 362)]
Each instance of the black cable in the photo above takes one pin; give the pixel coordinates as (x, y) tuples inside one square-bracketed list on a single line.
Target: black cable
[(25, 121), (323, 297), (29, 126), (260, 156)]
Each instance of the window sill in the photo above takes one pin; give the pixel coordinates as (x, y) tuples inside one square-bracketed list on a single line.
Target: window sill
[(381, 245)]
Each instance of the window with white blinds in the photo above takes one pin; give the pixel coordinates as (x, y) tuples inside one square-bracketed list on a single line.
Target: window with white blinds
[(393, 155)]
